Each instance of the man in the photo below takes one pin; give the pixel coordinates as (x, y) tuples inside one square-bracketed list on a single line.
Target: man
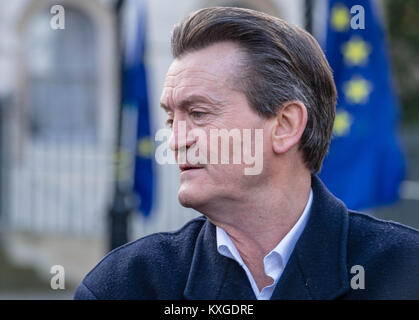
[(274, 234)]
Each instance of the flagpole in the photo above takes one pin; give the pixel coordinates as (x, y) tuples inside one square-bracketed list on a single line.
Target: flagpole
[(120, 209)]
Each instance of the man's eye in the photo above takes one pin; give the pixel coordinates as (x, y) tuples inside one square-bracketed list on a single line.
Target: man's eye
[(169, 123), (197, 114)]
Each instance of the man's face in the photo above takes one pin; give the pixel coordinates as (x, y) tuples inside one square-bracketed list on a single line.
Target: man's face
[(200, 94)]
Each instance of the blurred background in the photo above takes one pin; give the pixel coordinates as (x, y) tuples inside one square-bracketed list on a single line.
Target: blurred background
[(79, 107)]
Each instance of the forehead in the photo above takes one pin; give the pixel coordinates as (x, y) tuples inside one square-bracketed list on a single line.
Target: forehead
[(203, 72)]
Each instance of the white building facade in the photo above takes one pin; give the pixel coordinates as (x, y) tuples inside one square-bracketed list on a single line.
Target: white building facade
[(59, 98)]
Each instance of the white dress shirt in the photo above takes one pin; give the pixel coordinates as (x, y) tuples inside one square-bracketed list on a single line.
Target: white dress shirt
[(275, 261)]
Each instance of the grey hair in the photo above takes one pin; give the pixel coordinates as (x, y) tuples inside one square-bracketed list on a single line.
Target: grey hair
[(282, 63)]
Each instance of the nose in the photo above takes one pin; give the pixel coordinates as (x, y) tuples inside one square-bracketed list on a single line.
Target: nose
[(180, 140)]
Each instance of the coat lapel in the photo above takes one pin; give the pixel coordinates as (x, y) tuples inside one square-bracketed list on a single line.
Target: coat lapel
[(213, 276), (317, 267)]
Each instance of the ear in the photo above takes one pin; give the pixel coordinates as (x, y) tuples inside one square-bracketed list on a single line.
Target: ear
[(289, 126)]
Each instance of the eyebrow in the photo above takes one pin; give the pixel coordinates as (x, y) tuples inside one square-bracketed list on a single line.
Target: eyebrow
[(191, 100), (166, 108)]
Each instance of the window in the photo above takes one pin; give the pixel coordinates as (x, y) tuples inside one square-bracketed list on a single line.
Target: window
[(62, 78)]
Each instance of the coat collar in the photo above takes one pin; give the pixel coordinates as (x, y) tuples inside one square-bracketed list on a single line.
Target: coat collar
[(213, 276), (316, 268)]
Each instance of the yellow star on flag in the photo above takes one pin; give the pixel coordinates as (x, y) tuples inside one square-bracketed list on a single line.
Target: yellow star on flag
[(342, 124), (122, 161), (357, 90), (356, 51), (145, 147), (340, 17)]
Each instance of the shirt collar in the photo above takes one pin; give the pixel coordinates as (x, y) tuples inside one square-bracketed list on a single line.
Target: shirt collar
[(287, 244)]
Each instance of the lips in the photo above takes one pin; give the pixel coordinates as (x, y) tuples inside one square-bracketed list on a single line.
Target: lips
[(186, 167)]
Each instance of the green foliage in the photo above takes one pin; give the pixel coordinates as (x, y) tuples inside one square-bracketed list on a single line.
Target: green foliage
[(403, 29), (14, 277)]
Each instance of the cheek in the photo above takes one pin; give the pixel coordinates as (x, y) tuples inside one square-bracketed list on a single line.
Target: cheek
[(224, 175)]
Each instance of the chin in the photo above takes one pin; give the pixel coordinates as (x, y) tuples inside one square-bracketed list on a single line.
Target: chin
[(187, 199), (191, 198)]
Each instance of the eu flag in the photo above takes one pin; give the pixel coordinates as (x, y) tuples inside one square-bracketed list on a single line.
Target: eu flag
[(135, 95), (365, 165)]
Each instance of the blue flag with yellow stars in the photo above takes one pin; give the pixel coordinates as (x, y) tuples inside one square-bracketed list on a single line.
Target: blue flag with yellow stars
[(135, 95), (365, 165)]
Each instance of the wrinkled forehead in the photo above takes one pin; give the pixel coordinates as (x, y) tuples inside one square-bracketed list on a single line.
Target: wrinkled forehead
[(209, 70)]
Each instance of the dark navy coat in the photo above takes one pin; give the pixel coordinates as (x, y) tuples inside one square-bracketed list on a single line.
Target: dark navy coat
[(186, 265)]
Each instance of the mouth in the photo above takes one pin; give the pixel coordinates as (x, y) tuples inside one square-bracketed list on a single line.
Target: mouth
[(188, 167)]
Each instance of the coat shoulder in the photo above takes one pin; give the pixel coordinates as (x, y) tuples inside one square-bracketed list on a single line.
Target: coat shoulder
[(144, 268), (367, 231), (388, 252)]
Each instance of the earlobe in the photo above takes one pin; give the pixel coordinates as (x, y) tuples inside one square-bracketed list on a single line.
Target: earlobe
[(288, 127)]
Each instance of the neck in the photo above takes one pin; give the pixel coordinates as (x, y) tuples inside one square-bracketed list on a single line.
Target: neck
[(258, 222), (261, 219)]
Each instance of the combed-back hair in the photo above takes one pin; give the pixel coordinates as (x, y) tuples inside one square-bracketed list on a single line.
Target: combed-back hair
[(282, 63)]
